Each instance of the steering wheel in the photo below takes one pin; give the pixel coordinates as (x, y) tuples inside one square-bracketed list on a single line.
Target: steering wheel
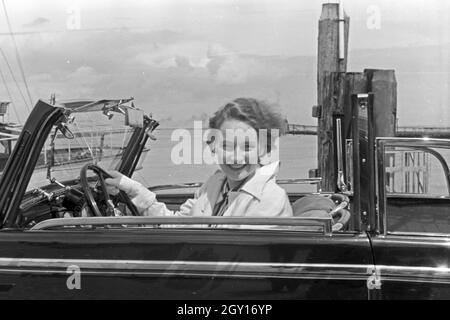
[(90, 196)]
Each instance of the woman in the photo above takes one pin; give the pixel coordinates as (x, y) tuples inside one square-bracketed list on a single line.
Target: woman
[(244, 186)]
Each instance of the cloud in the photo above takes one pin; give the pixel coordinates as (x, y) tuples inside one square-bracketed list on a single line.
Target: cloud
[(233, 70), (186, 52), (37, 23), (82, 83), (172, 74), (40, 77), (167, 72), (85, 75)]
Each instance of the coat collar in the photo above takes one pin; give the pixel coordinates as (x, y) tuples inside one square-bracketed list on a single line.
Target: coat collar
[(255, 185)]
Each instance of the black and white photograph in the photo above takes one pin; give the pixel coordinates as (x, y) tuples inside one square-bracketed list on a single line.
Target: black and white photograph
[(227, 155)]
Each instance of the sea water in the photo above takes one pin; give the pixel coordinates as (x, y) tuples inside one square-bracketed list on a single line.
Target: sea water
[(298, 154)]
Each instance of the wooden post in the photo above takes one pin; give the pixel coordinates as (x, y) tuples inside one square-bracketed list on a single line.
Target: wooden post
[(328, 41), (328, 62), (331, 85), (384, 87)]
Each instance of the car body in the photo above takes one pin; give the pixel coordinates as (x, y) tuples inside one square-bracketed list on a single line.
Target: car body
[(45, 256)]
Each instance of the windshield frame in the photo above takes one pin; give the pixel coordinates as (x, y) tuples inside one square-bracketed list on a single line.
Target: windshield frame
[(23, 159)]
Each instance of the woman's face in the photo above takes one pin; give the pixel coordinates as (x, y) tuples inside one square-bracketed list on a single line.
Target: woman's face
[(237, 149)]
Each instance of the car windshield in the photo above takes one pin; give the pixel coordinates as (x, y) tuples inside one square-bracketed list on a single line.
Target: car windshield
[(90, 137)]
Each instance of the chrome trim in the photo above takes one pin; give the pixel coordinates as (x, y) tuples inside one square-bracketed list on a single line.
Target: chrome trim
[(418, 234), (267, 223), (187, 268), (176, 186), (414, 274), (228, 269), (381, 186), (416, 240), (199, 184), (381, 144), (425, 141), (340, 183), (300, 181), (417, 196), (378, 217)]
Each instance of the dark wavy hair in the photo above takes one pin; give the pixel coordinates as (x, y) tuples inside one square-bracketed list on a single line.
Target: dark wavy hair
[(256, 113)]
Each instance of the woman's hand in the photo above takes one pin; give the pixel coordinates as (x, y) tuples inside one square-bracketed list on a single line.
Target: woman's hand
[(119, 182)]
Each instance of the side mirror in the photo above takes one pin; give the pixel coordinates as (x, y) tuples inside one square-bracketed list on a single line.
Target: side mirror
[(134, 118)]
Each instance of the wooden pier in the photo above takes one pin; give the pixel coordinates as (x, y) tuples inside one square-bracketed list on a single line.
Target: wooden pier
[(420, 132), (300, 129), (403, 132), (335, 87)]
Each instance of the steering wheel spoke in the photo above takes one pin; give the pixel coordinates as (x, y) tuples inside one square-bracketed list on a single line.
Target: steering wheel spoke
[(111, 209)]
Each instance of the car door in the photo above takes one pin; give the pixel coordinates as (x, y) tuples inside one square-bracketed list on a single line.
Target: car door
[(184, 263), (412, 247), (132, 261)]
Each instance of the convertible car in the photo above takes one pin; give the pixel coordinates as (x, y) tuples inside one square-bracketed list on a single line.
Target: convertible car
[(385, 236)]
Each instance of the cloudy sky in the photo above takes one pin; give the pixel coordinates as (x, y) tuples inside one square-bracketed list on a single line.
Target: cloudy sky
[(180, 59)]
